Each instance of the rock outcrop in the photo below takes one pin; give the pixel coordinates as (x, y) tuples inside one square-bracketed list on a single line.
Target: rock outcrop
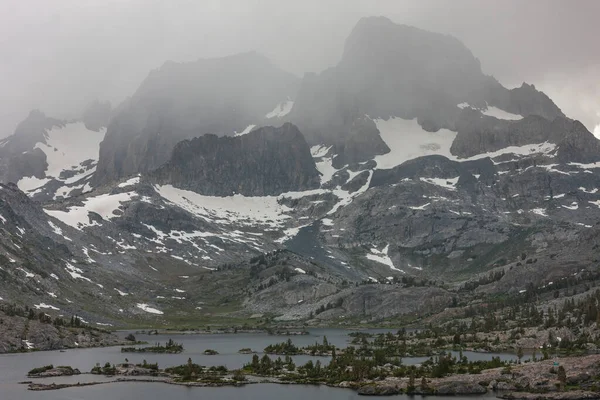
[(478, 134), (267, 161)]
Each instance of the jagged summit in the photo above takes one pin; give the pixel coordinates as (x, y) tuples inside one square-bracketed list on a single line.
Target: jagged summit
[(391, 70), (407, 46)]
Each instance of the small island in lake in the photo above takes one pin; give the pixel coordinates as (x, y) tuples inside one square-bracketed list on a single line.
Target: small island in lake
[(51, 371), (170, 347)]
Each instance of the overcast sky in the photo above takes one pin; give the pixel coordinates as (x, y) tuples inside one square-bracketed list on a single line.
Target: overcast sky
[(57, 55)]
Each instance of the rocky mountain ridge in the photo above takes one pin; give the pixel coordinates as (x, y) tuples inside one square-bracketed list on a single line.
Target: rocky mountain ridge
[(183, 100), (405, 178)]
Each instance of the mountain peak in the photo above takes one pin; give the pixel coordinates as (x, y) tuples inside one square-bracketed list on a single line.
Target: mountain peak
[(382, 38)]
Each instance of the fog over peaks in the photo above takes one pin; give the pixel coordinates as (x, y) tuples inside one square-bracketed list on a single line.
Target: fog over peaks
[(59, 56)]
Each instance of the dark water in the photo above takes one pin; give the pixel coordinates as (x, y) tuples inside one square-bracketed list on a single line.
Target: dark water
[(14, 367), (157, 391)]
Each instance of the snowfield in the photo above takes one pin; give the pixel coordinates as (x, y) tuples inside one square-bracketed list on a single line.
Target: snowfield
[(68, 146), (105, 205), (238, 209), (407, 140)]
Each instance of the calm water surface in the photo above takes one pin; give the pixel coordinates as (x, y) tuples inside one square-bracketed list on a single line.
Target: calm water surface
[(14, 367)]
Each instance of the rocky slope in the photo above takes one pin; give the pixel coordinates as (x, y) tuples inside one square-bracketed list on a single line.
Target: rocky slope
[(20, 333)]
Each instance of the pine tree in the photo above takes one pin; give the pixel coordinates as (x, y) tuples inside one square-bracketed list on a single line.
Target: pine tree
[(410, 388), (562, 377)]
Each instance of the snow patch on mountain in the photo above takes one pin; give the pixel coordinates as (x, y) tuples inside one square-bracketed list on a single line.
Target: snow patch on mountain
[(449, 184), (289, 234), (78, 177), (493, 112), (31, 183), (382, 257), (325, 167), (55, 228), (501, 114), (319, 151), (545, 148), (76, 273), (281, 109), (46, 306), (130, 182), (246, 130), (423, 207), (148, 309)]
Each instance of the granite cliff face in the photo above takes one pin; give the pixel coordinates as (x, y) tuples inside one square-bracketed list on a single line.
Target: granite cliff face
[(267, 161), (181, 101)]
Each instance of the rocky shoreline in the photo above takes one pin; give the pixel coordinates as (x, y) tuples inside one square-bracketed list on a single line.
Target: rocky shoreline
[(449, 390), (527, 381), (533, 380), (21, 333)]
